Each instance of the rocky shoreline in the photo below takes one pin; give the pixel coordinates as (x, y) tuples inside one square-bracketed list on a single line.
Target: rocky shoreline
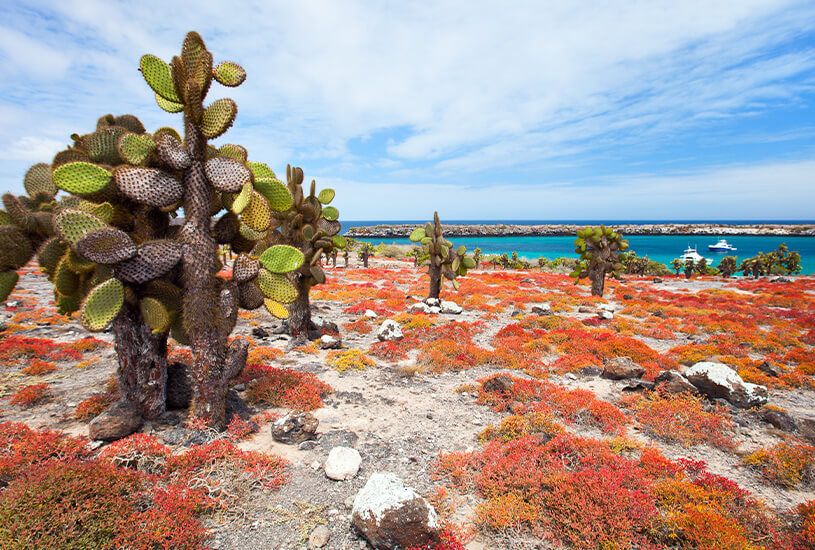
[(557, 230)]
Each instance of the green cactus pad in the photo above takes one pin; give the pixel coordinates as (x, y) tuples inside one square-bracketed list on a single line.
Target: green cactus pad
[(103, 145), (169, 106), (276, 308), (326, 196), (276, 286), (78, 264), (308, 232), (166, 292), (38, 179), (244, 268), (242, 199), (68, 304), (102, 304), (157, 74), (339, 241), (149, 186), (229, 74), (5, 219), (65, 280), (456, 284), (155, 314), (106, 246), (462, 250), (227, 174), (276, 193), (261, 170), (50, 253), (81, 178), (281, 258), (317, 274), (104, 211), (251, 234), (237, 152), (468, 262), (15, 248), (251, 296), (330, 213), (134, 148), (418, 234), (8, 280), (257, 215), (218, 117), (72, 224)]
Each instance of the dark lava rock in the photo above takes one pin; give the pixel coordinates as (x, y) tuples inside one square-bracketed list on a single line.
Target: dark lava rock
[(779, 419), (621, 368), (591, 370), (295, 427), (176, 436), (499, 384), (674, 382), (120, 420), (259, 332), (770, 370), (638, 385), (179, 391)]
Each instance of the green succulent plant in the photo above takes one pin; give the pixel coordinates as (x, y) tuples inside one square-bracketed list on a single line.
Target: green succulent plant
[(445, 263), (599, 249), (307, 224)]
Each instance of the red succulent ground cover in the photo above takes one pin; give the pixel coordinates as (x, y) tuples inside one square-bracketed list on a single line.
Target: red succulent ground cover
[(280, 387)]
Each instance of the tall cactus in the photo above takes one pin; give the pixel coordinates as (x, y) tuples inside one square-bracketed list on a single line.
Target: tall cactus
[(309, 224), (443, 261), (599, 249)]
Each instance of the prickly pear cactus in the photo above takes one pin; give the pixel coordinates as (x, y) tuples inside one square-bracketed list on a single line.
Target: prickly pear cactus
[(307, 225), (444, 262), (599, 249)]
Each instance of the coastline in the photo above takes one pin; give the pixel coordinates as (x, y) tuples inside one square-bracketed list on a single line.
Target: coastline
[(398, 231)]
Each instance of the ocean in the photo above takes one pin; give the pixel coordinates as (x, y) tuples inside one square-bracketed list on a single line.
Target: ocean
[(660, 248)]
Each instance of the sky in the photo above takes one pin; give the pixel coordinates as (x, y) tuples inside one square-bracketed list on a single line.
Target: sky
[(646, 109)]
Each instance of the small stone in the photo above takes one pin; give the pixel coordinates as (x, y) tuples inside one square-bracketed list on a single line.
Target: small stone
[(806, 427), (295, 427), (176, 436), (605, 315), (777, 418), (370, 314), (389, 330), (337, 438), (771, 370), (120, 420), (433, 302), (451, 308), (324, 325), (542, 309), (657, 280), (259, 332), (584, 309), (307, 445), (637, 385), (330, 342), (319, 537), (591, 370), (606, 307), (342, 463), (499, 384), (621, 368)]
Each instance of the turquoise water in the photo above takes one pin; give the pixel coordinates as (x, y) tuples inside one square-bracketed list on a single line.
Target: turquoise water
[(658, 248)]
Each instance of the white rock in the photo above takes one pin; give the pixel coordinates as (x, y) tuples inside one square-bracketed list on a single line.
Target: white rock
[(717, 380), (419, 307), (319, 537), (389, 330), (434, 310), (342, 463), (370, 314), (451, 307), (432, 302), (605, 314), (329, 342)]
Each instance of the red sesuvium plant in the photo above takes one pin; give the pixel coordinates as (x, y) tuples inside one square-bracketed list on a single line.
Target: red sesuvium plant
[(29, 396), (279, 387), (788, 464)]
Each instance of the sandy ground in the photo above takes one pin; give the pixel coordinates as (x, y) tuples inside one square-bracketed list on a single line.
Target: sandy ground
[(402, 423)]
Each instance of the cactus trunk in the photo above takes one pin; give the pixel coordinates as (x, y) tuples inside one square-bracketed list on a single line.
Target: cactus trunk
[(598, 282), (142, 371), (435, 279), (210, 380), (300, 310)]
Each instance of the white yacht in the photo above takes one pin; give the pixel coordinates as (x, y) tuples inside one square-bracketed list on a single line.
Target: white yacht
[(692, 254), (722, 246)]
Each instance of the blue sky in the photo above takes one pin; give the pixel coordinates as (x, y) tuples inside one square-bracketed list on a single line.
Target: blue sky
[(480, 110)]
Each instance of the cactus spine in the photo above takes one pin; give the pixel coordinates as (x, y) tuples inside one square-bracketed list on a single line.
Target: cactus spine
[(444, 262), (599, 249)]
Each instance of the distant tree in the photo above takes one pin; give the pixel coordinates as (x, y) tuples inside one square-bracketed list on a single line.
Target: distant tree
[(365, 252), (752, 266), (504, 260), (689, 268), (701, 267), (445, 262), (728, 265), (599, 249), (677, 265), (542, 262), (477, 257), (515, 263)]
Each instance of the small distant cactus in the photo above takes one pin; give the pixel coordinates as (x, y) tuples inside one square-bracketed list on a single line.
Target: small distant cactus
[(477, 257), (444, 262), (308, 224), (599, 249), (365, 252), (728, 265)]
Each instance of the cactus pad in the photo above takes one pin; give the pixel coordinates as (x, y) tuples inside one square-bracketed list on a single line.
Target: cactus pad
[(104, 211), (155, 314), (276, 193), (281, 258), (67, 156), (330, 213), (241, 200), (78, 264), (326, 196), (171, 152), (102, 304), (169, 106), (38, 180), (134, 148), (50, 254), (244, 268), (68, 304), (257, 215), (103, 145), (237, 152), (317, 274), (251, 296), (106, 246), (157, 74), (339, 241), (418, 234), (227, 174), (229, 74), (130, 123), (153, 260), (81, 178), (19, 214), (330, 227), (72, 224), (276, 308), (218, 117), (65, 280), (148, 186), (8, 279), (276, 286), (251, 234), (261, 170)]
